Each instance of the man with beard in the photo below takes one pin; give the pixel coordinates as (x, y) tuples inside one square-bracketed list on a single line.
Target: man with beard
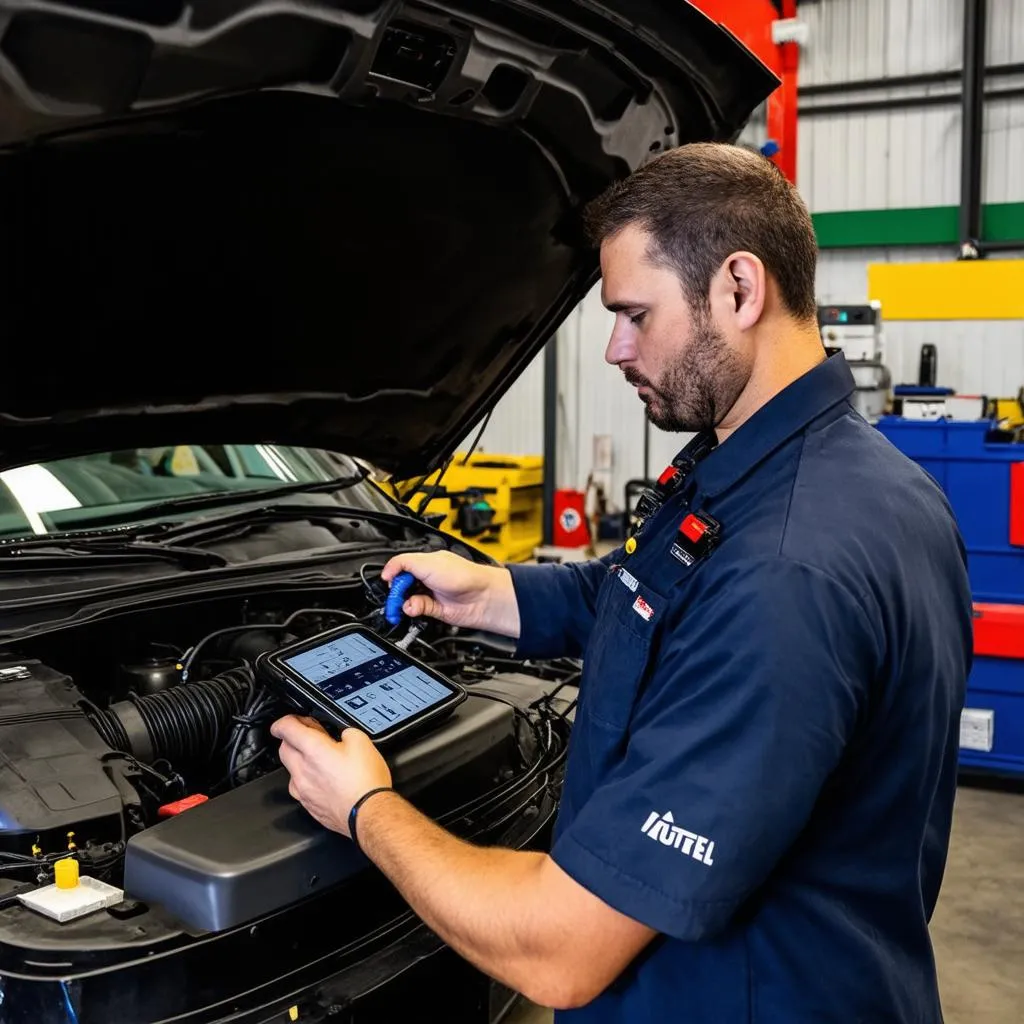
[(760, 782)]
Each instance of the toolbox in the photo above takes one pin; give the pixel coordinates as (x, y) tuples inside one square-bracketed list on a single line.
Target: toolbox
[(980, 467), (981, 470), (992, 724)]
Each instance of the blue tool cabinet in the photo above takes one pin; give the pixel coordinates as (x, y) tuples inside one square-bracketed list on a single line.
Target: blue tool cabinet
[(982, 474)]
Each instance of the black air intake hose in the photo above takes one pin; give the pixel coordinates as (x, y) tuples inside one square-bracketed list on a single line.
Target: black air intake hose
[(182, 723)]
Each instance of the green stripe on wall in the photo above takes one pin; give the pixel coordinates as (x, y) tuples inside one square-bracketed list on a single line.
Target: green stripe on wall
[(927, 225), (1002, 222)]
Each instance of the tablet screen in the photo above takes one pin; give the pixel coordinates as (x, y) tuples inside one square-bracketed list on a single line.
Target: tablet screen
[(376, 688)]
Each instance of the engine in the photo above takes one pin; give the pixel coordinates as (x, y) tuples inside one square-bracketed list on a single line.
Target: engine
[(81, 775), (111, 729)]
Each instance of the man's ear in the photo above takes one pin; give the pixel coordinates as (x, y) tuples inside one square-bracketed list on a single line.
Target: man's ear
[(741, 286)]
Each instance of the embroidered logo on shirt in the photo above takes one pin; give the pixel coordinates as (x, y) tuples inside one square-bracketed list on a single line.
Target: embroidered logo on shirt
[(629, 579), (683, 556), (663, 829), (643, 609)]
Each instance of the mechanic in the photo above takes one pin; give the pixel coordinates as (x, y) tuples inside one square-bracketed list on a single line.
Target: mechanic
[(760, 781)]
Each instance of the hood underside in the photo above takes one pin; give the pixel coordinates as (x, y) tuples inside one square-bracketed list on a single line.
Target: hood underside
[(346, 225)]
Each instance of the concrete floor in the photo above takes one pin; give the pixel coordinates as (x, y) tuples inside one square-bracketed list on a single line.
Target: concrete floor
[(978, 928)]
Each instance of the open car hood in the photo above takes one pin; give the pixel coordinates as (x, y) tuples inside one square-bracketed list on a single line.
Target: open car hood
[(348, 224)]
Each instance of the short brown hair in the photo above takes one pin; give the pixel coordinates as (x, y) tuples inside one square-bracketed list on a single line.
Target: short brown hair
[(702, 201)]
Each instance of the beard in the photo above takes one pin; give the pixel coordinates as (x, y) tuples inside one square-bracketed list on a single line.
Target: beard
[(699, 388)]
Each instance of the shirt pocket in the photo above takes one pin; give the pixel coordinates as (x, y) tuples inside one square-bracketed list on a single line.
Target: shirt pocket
[(616, 660)]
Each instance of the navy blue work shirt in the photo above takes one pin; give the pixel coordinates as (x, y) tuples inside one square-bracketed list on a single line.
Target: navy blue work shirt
[(763, 762)]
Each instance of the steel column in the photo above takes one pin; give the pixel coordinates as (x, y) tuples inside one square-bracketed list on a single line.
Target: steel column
[(550, 435), (972, 126)]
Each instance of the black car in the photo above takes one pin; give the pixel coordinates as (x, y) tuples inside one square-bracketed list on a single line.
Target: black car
[(239, 238)]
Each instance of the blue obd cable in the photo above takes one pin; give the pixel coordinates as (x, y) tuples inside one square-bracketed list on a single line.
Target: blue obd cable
[(400, 587)]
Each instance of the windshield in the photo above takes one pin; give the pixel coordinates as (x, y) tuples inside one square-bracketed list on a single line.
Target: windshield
[(68, 493)]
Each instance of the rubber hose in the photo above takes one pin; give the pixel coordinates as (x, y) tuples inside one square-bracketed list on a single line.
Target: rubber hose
[(184, 723)]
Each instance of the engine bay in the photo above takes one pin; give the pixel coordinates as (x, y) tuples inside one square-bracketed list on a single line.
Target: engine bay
[(146, 734)]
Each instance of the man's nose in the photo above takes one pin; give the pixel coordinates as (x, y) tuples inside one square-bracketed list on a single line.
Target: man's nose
[(620, 347)]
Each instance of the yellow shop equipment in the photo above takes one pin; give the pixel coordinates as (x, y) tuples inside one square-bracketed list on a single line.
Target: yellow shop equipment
[(1009, 412), (494, 502)]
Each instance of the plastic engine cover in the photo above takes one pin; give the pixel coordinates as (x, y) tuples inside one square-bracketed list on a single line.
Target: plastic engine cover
[(51, 777), (253, 850)]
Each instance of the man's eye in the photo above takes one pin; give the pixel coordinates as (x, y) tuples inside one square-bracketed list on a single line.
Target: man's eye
[(637, 318)]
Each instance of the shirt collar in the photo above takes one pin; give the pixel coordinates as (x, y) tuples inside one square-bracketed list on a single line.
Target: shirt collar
[(789, 412)]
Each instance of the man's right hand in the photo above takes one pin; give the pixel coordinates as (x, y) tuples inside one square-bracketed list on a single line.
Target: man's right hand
[(460, 592)]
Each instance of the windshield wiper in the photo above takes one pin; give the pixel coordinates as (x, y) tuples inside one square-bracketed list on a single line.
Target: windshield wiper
[(32, 552), (217, 499)]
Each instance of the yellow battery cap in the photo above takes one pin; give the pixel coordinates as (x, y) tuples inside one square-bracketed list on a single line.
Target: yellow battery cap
[(65, 873), (631, 545)]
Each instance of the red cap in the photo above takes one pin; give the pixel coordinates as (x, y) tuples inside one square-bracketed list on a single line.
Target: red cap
[(667, 474), (177, 806), (693, 528)]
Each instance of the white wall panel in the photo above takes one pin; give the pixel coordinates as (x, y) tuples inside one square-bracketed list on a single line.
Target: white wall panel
[(854, 39), (1005, 31), (1003, 153), (974, 356), (909, 157), (879, 160), (517, 423)]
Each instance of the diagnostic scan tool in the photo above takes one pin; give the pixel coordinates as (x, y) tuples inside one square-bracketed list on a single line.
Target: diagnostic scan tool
[(353, 677)]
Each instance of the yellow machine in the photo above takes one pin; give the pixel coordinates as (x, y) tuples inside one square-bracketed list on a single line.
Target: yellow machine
[(494, 502), (1009, 411)]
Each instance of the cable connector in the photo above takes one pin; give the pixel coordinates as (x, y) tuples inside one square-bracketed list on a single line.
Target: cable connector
[(414, 631), (401, 585)]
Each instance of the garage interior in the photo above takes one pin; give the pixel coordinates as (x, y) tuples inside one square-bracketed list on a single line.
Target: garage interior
[(154, 865)]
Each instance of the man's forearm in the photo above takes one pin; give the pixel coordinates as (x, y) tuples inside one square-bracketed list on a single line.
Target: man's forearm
[(502, 607), (518, 916), (482, 902)]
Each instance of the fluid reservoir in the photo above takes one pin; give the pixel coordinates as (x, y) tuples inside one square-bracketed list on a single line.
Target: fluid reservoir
[(151, 675)]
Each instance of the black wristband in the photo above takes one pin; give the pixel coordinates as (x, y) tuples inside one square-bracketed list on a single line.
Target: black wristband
[(359, 803)]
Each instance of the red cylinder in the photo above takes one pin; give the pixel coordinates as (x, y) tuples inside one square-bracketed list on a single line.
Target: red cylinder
[(570, 527)]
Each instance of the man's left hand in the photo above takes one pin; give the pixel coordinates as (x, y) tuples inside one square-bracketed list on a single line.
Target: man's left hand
[(328, 776)]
